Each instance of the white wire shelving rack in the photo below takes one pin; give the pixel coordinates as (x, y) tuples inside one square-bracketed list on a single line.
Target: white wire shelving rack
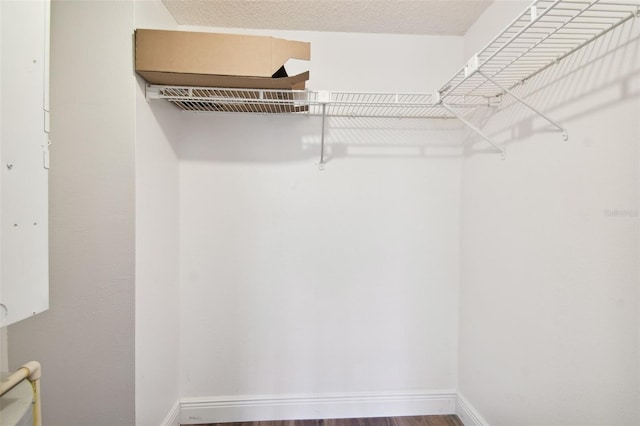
[(542, 35), (313, 103), (330, 103)]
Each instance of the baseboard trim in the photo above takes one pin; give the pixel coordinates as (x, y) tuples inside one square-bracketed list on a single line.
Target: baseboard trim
[(173, 417), (289, 407), (467, 413)]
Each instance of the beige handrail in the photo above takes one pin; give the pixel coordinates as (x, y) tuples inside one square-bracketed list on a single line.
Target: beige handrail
[(30, 371)]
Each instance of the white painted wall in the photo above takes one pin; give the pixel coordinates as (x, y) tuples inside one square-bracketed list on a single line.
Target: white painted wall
[(296, 281), (157, 277), (157, 256), (549, 277), (85, 342), (390, 280)]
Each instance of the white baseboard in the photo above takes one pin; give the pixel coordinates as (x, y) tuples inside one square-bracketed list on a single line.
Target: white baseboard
[(467, 414), (173, 416), (289, 407)]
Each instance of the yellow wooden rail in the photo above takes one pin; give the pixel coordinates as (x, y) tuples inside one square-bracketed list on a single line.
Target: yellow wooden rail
[(30, 371)]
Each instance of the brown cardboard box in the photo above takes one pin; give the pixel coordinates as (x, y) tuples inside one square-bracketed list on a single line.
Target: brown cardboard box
[(222, 60)]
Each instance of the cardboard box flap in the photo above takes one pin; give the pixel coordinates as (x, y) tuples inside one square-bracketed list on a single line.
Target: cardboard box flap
[(208, 80), (283, 50), (212, 53)]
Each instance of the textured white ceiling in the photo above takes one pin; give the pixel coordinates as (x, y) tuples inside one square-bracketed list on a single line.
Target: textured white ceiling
[(434, 17)]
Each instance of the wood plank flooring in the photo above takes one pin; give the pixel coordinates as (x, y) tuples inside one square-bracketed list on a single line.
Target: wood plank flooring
[(450, 420)]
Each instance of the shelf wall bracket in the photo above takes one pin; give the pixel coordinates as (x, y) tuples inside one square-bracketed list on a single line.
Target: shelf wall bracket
[(475, 129), (151, 92), (324, 116), (324, 98), (565, 135)]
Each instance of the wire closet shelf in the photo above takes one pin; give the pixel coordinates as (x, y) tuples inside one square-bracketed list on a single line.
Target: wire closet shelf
[(317, 103), (543, 34)]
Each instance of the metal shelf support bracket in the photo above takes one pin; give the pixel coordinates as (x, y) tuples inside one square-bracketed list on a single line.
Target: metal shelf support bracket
[(324, 98), (565, 135), (151, 92), (324, 115), (475, 129)]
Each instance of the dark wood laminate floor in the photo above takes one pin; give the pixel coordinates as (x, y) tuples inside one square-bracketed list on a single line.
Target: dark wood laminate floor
[(450, 420)]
